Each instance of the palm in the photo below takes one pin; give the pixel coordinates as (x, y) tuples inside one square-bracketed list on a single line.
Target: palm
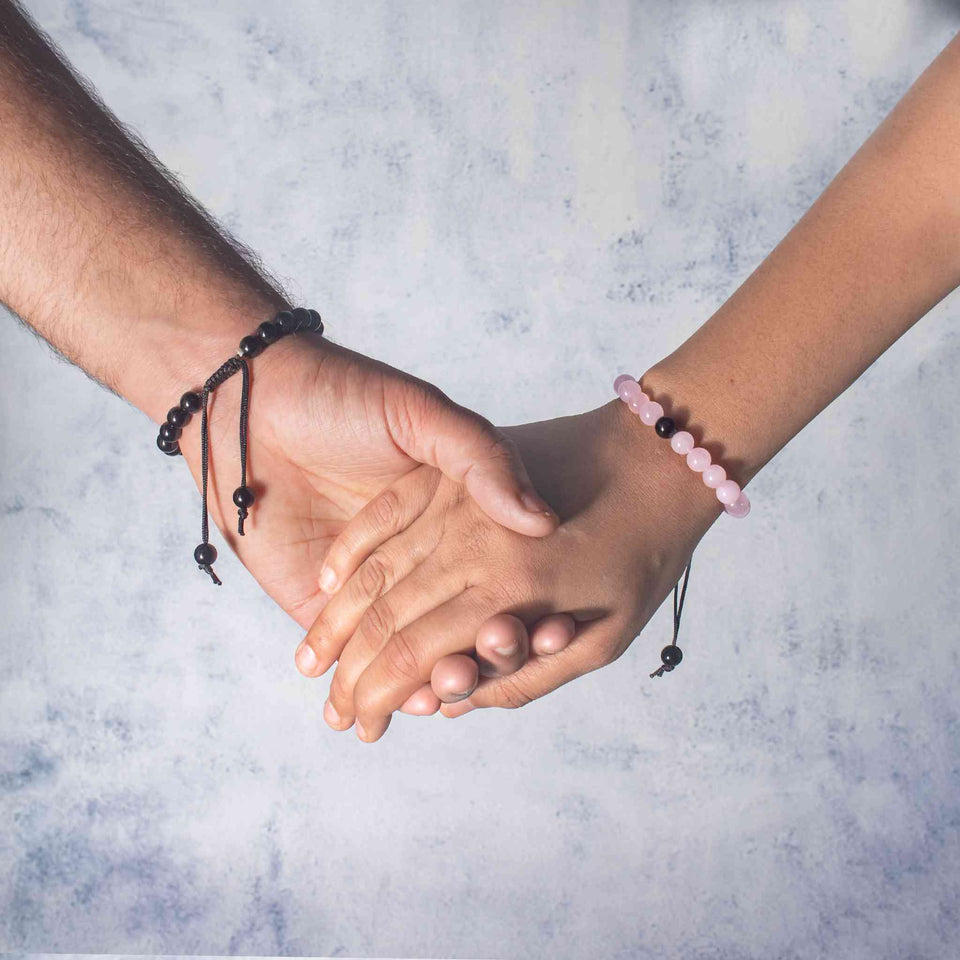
[(320, 447)]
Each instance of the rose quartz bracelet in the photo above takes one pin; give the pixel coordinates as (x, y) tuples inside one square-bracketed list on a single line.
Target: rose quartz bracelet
[(728, 492)]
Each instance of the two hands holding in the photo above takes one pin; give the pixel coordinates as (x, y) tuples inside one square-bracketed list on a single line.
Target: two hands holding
[(406, 534), (400, 530)]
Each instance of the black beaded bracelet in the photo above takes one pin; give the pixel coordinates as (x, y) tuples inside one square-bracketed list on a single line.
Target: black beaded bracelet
[(298, 320)]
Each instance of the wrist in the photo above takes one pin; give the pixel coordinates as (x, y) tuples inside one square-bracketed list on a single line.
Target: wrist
[(708, 400), (168, 352), (654, 478)]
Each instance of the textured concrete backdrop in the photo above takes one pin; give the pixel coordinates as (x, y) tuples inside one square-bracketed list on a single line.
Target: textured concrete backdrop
[(553, 191)]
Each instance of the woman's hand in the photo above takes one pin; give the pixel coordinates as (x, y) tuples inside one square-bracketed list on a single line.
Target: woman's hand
[(631, 515)]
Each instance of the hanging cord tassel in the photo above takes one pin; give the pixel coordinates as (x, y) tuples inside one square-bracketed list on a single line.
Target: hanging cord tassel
[(243, 495), (206, 552), (672, 655)]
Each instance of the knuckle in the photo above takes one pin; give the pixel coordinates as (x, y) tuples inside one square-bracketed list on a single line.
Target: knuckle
[(323, 631), (401, 658), (365, 699), (373, 575), (492, 595), (386, 510), (377, 623), (341, 691), (506, 448), (498, 446)]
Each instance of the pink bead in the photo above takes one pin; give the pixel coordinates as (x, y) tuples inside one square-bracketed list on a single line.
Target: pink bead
[(728, 491), (651, 412), (682, 442), (629, 390), (714, 475), (739, 508), (620, 381), (637, 403), (698, 459)]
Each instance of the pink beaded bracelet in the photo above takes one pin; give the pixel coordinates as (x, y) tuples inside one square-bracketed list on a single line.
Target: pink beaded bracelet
[(728, 492)]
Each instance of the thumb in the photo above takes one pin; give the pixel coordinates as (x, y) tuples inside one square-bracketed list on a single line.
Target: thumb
[(429, 427)]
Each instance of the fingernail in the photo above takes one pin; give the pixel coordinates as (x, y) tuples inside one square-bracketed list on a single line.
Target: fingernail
[(306, 659), (330, 714), (535, 505), (328, 580), (361, 733), (506, 651)]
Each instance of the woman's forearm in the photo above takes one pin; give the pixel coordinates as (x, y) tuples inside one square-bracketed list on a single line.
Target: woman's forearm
[(101, 252), (878, 249)]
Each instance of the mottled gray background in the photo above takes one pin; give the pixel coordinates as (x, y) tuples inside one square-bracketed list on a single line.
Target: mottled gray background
[(555, 191)]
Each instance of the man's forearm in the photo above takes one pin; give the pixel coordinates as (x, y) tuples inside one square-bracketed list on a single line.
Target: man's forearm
[(101, 252), (878, 249)]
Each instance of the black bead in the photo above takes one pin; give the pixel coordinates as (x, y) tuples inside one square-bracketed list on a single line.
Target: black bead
[(671, 655), (316, 323), (205, 554), (665, 427), (191, 402), (169, 432), (243, 497), (178, 417), (269, 331), (170, 447), (287, 321), (302, 316), (251, 346)]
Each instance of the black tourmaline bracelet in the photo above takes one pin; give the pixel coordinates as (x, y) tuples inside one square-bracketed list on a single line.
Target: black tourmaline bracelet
[(298, 320)]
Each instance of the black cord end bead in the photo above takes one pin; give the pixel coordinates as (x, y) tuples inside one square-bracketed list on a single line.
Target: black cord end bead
[(250, 347), (206, 555), (169, 432), (316, 323), (671, 655), (191, 402), (243, 497), (665, 427)]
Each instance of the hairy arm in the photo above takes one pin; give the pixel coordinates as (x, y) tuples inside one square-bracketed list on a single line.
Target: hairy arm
[(102, 251)]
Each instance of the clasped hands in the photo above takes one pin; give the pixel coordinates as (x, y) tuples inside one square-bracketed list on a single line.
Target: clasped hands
[(405, 534)]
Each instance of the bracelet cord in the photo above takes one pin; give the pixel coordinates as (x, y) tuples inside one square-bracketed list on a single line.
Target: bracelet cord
[(672, 655), (225, 371)]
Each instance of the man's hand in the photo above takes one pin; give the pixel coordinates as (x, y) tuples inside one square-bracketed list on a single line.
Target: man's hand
[(329, 430)]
